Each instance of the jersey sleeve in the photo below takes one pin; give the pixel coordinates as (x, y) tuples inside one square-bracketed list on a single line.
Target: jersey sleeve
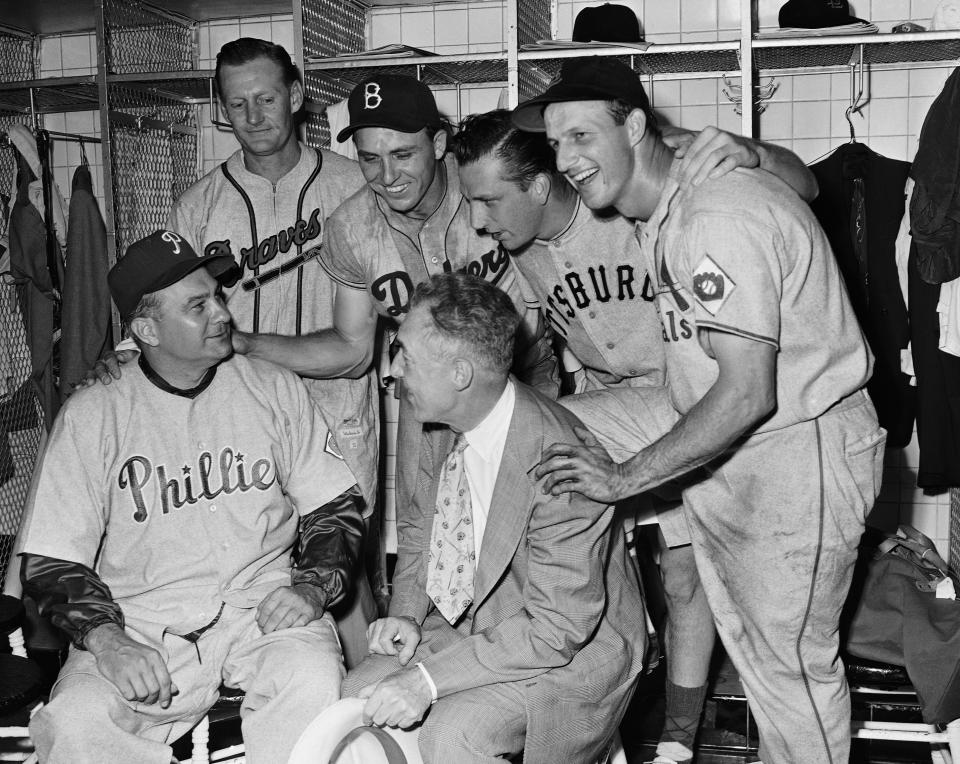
[(65, 516), (732, 270), (316, 471), (338, 254)]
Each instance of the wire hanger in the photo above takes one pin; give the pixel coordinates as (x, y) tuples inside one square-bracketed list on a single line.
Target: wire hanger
[(857, 101), (83, 154)]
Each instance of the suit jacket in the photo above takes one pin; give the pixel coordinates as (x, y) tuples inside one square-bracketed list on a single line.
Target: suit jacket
[(557, 603)]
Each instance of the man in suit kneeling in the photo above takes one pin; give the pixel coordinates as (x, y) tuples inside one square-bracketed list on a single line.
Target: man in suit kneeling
[(516, 622)]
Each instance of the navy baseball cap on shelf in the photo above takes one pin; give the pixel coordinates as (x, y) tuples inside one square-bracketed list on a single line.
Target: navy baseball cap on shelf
[(816, 14), (593, 78), (157, 261), (393, 101), (609, 22)]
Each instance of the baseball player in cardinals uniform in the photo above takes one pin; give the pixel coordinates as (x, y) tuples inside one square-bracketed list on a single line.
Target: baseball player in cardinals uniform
[(766, 366), (164, 516), (586, 273)]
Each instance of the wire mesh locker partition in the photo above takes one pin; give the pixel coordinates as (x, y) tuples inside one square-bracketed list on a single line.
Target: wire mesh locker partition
[(143, 39)]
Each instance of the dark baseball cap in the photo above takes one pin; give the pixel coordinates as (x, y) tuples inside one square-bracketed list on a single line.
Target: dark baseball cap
[(156, 262), (393, 101), (609, 22), (816, 14), (592, 78)]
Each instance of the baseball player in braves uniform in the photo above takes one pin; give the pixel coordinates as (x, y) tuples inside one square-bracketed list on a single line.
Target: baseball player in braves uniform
[(748, 293), (165, 513), (266, 207), (409, 223), (586, 273)]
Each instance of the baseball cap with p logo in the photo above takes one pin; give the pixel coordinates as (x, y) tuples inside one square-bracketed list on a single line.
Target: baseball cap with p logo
[(393, 101), (157, 261)]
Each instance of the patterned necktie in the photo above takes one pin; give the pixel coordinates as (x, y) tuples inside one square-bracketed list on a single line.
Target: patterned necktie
[(452, 555)]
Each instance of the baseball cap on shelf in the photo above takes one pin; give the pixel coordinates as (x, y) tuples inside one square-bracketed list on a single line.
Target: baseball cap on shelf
[(609, 22), (156, 262), (393, 101), (593, 78), (816, 14)]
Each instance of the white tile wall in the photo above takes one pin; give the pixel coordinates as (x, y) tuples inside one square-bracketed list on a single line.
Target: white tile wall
[(806, 114)]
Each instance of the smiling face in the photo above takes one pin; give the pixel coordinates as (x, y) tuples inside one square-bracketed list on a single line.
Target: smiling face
[(593, 152), (402, 168), (499, 206), (191, 330), (260, 107)]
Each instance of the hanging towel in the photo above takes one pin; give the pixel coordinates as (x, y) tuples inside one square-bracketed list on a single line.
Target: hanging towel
[(86, 299), (339, 118)]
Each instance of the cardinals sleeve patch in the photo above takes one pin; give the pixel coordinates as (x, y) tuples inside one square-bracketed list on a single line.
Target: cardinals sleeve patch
[(711, 285), (331, 447)]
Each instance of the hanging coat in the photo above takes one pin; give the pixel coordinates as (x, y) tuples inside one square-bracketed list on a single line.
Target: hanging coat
[(860, 206), (85, 316), (38, 301)]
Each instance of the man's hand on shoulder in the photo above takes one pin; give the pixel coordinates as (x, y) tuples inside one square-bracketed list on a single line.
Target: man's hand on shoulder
[(137, 671), (398, 700), (711, 154), (291, 606), (394, 636), (584, 468), (108, 368)]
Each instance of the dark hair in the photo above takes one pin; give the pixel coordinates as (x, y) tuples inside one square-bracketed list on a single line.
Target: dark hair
[(246, 49), (473, 314), (524, 155), (620, 110)]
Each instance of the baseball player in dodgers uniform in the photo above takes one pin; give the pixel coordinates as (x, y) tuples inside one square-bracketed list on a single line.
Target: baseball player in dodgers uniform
[(765, 366), (165, 513), (408, 223), (586, 273)]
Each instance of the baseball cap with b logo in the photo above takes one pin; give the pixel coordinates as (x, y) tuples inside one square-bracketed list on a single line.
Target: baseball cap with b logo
[(393, 101), (156, 262)]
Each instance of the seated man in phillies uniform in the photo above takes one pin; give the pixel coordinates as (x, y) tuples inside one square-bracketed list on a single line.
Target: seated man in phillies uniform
[(516, 615), (166, 512)]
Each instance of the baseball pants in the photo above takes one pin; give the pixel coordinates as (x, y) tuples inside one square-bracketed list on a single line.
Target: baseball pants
[(288, 677), (775, 531), (626, 420)]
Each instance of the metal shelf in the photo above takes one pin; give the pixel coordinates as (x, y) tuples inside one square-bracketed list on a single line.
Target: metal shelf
[(822, 52), (51, 95), (706, 58), (186, 87), (432, 70)]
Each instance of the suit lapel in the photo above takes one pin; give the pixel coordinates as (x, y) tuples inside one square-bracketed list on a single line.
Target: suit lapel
[(513, 496)]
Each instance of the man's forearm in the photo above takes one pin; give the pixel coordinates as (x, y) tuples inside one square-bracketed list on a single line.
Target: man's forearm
[(320, 355), (789, 168), (716, 421)]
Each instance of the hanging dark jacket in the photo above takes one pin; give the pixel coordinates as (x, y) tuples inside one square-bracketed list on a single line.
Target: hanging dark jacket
[(935, 205), (38, 300), (86, 297), (860, 206)]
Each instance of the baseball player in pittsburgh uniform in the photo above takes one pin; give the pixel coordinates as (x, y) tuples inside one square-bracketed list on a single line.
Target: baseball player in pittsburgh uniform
[(586, 273), (165, 513), (766, 366)]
